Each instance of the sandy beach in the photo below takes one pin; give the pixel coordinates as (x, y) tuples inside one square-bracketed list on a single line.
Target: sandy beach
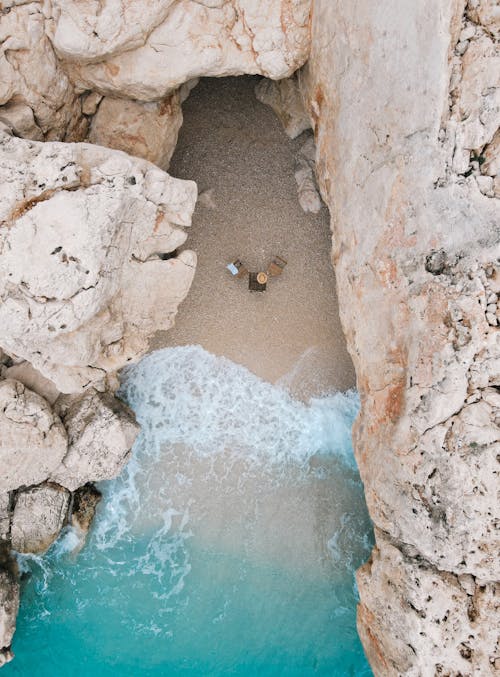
[(235, 147)]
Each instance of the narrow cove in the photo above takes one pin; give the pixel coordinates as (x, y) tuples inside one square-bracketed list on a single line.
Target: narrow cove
[(229, 544)]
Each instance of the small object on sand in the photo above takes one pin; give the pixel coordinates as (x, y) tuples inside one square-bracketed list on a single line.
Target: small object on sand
[(237, 269), (276, 266), (257, 281)]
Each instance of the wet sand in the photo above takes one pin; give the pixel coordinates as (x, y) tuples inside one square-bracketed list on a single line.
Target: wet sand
[(234, 146)]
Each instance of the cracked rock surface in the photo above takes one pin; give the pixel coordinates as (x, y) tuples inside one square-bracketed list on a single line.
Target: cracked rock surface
[(175, 41), (33, 440), (81, 284), (409, 171), (39, 515)]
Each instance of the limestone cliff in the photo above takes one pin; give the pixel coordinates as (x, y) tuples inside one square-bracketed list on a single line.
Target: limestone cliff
[(404, 97)]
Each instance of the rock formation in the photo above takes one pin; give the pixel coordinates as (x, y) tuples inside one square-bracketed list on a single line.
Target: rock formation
[(85, 502), (404, 101), (39, 515), (9, 602), (81, 282), (305, 166), (147, 130), (146, 55), (101, 431), (33, 441), (285, 99), (36, 97)]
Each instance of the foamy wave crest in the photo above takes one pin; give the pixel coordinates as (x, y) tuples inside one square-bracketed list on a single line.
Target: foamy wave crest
[(186, 395)]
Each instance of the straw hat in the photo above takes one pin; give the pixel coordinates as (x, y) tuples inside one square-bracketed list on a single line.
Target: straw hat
[(261, 278)]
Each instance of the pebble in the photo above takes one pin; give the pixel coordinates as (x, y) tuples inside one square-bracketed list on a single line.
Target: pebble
[(485, 184), (492, 319)]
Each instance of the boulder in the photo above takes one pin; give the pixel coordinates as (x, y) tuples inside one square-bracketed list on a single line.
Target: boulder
[(101, 431), (147, 130), (82, 285), (33, 440), (85, 502), (37, 100), (39, 515)]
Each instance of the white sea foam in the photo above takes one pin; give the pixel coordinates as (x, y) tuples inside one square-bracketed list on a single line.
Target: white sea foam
[(208, 427), (186, 395)]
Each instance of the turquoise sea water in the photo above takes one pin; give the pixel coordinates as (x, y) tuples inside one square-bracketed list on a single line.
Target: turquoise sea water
[(227, 546)]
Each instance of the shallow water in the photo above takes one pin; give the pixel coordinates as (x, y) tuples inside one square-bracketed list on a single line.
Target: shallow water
[(227, 547)]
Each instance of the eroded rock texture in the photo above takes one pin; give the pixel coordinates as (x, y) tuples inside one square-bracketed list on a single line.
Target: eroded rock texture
[(101, 431), (285, 99), (9, 603), (404, 100), (39, 515), (146, 53), (81, 284), (33, 440), (36, 97)]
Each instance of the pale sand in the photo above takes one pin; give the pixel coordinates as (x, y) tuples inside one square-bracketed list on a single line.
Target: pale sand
[(234, 146)]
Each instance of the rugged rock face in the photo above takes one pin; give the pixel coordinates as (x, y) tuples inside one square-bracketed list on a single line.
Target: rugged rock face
[(433, 622), (85, 502), (404, 99), (39, 515), (9, 603), (4, 516), (305, 170), (148, 130), (36, 97), (285, 99), (101, 431), (33, 440), (81, 284), (146, 55)]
